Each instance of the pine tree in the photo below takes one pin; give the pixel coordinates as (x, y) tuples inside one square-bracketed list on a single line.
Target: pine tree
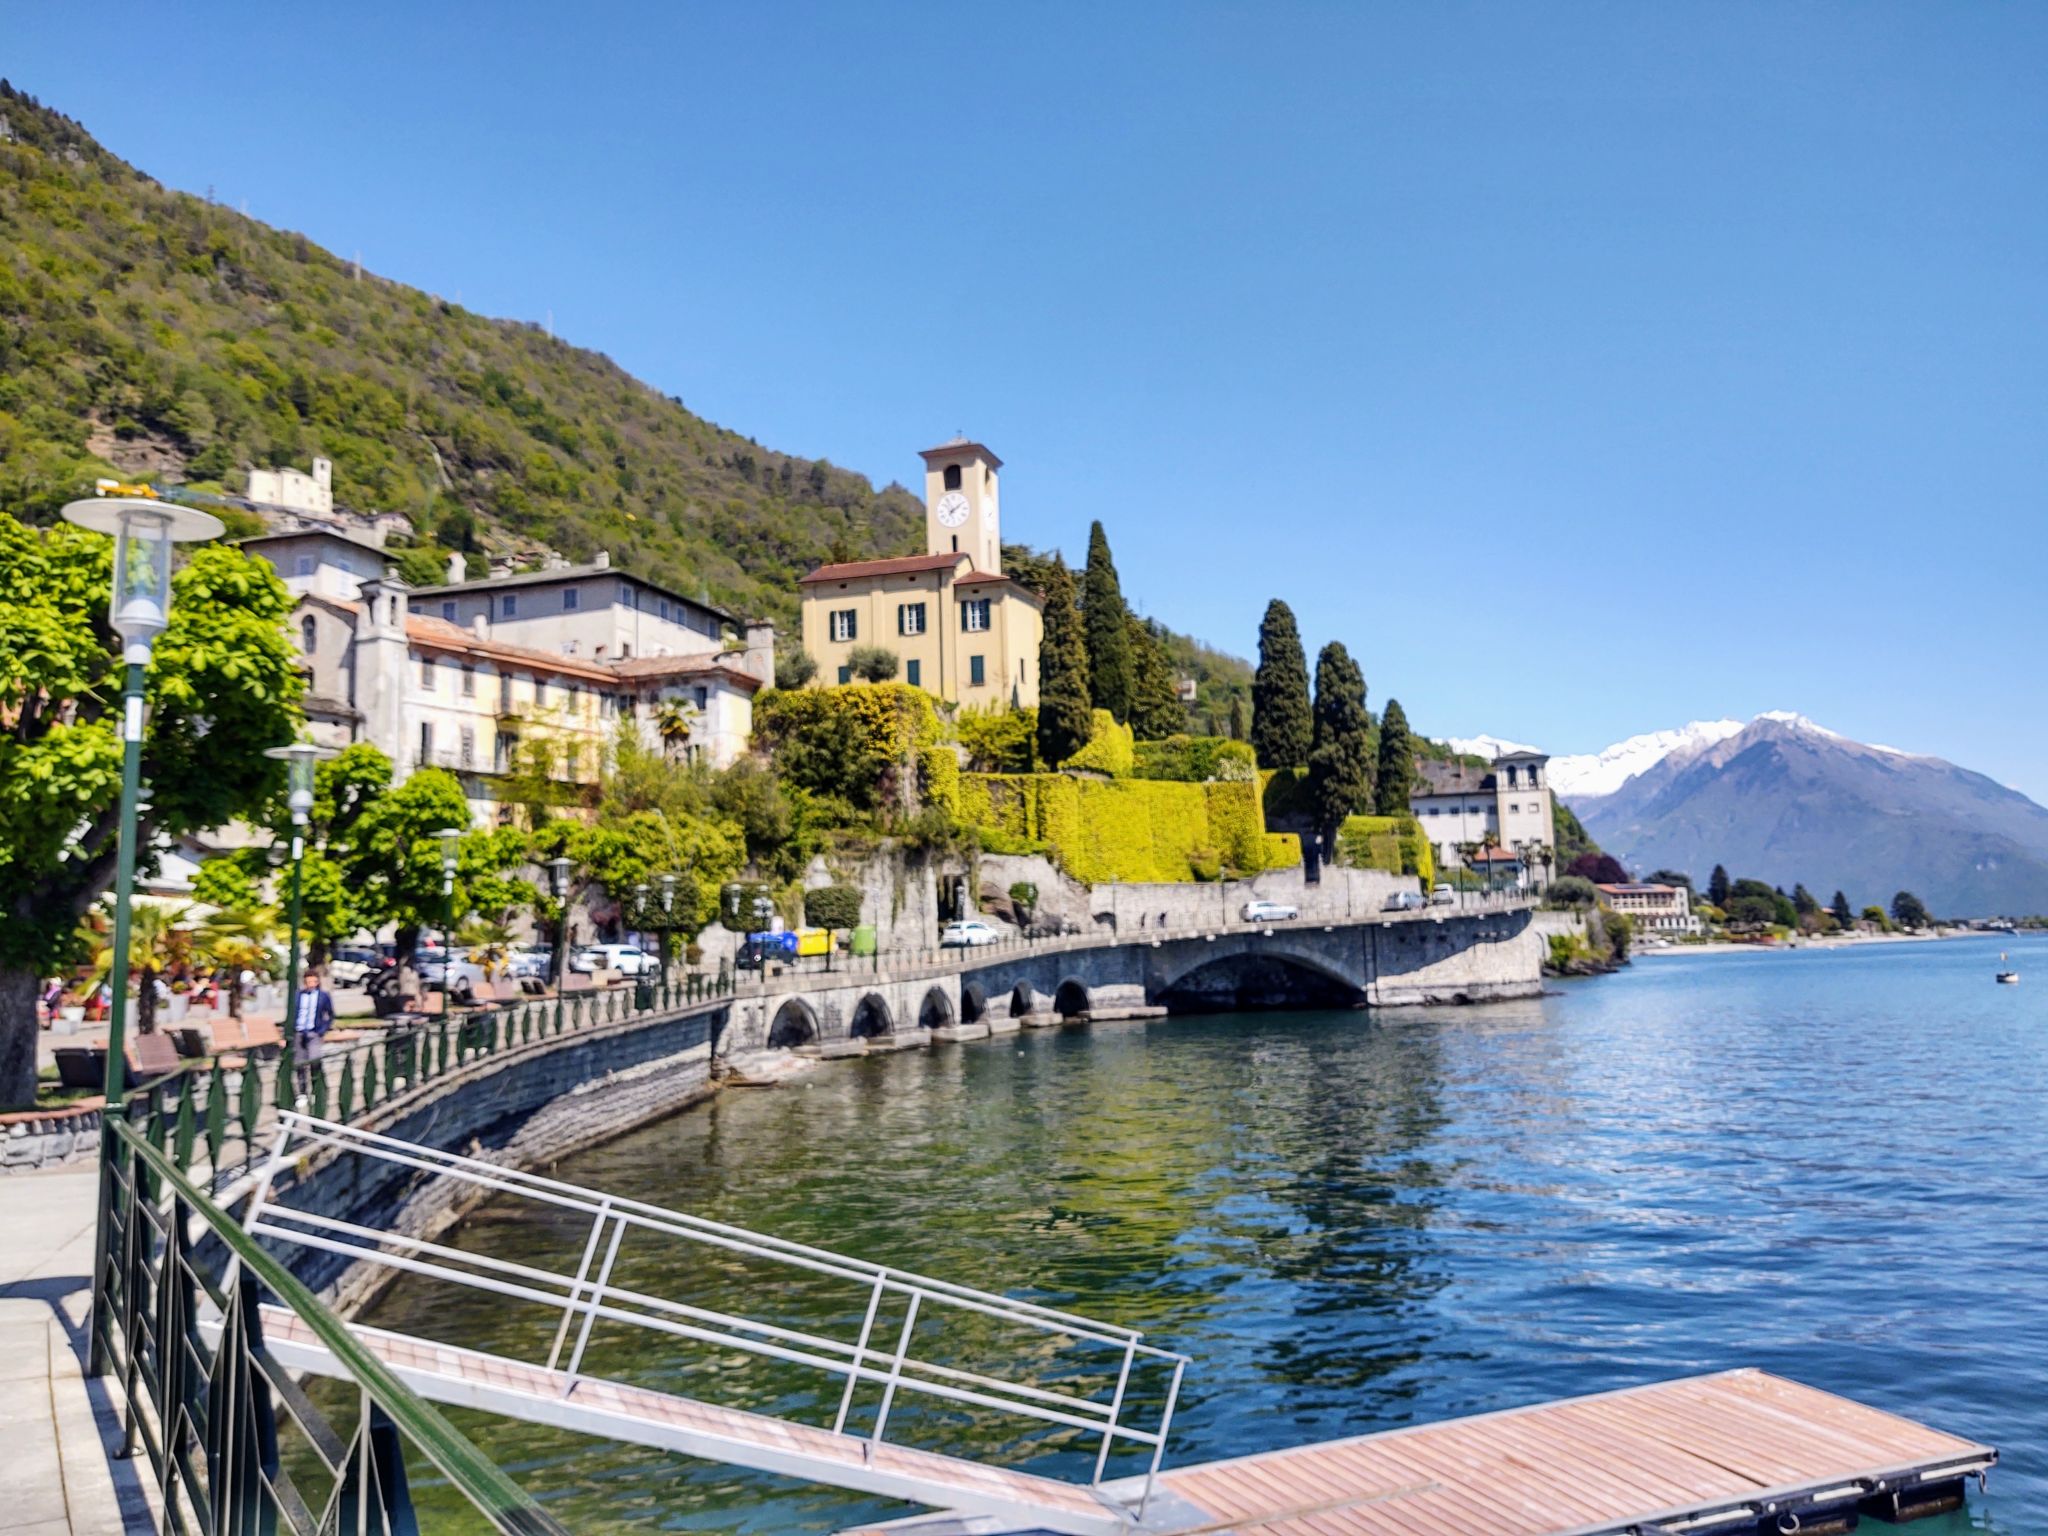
[(1840, 908), (1717, 887), (1108, 629), (1063, 708), (1156, 710), (1282, 725), (1397, 762), (1803, 901), (1340, 764)]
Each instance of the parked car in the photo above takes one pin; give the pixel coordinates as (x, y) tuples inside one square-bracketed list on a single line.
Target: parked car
[(535, 960), (1270, 912), (351, 964), (967, 933), (465, 978), (623, 959), (1404, 901), (1442, 896)]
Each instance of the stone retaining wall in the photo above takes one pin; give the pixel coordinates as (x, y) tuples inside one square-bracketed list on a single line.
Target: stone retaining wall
[(43, 1138)]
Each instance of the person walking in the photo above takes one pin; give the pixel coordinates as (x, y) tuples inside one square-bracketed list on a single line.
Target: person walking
[(312, 1017)]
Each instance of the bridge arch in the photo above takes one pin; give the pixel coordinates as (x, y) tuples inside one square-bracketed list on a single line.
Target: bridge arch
[(973, 1003), (1261, 978), (1022, 1000), (936, 1011), (1071, 1000), (795, 1024), (871, 1017)]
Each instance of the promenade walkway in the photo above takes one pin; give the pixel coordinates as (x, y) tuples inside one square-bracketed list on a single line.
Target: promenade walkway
[(57, 1475)]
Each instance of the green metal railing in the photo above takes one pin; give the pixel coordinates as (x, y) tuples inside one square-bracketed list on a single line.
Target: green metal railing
[(225, 1111), (233, 1445)]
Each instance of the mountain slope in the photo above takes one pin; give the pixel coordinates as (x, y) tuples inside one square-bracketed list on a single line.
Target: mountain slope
[(1581, 776), (146, 331), (1785, 800)]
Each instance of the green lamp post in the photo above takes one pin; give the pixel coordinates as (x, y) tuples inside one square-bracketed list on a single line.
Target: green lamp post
[(450, 839), (299, 758), (558, 887)]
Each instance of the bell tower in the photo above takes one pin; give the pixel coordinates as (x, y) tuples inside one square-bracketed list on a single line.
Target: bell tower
[(961, 513)]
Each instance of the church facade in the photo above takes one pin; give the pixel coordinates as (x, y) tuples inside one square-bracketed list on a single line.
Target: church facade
[(958, 627)]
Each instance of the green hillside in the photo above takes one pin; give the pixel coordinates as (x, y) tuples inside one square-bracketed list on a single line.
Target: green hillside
[(148, 332)]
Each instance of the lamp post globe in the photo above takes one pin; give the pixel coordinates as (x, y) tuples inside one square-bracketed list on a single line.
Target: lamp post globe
[(300, 758), (450, 839), (139, 608)]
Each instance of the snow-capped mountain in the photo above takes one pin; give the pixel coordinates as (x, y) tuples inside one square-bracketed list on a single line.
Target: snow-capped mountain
[(1580, 776)]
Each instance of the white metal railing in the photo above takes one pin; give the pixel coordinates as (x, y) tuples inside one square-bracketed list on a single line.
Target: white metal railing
[(583, 1298)]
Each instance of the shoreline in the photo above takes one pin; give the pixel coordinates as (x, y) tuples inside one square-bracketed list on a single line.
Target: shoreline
[(1730, 947)]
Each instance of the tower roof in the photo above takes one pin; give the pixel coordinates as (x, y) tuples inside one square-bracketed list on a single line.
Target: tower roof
[(960, 448)]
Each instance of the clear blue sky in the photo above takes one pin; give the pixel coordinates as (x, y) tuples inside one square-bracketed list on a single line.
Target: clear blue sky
[(1586, 368)]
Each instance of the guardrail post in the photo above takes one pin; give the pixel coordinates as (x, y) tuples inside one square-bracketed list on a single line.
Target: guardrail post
[(1116, 1407), (596, 1298), (896, 1367), (859, 1352), (1159, 1446)]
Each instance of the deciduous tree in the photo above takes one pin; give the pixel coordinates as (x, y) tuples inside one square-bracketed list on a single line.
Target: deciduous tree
[(1909, 912), (222, 686), (1282, 720), (1063, 697), (1340, 763)]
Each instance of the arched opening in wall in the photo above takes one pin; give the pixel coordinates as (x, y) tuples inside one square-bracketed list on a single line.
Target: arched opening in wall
[(794, 1025), (871, 1018), (1071, 1001), (973, 1003), (1022, 1000), (1236, 983), (936, 1011)]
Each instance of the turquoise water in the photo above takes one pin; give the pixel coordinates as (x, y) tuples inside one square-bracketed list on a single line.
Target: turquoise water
[(1833, 1165)]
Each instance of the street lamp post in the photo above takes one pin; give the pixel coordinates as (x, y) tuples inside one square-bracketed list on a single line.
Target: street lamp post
[(299, 758), (558, 886), (143, 533), (450, 839), (668, 924)]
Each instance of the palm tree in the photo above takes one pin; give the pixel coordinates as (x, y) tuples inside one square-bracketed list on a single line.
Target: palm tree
[(489, 942), (674, 720), (156, 942), (238, 939)]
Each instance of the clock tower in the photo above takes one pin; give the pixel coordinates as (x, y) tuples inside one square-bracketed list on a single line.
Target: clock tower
[(961, 513)]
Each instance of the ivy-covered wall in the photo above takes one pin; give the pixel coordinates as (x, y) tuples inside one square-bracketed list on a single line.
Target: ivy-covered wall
[(1125, 829), (1392, 843)]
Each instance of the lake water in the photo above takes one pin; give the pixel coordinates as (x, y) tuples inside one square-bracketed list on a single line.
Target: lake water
[(1833, 1165)]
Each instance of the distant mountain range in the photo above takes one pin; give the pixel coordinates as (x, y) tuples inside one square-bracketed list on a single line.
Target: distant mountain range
[(1785, 800)]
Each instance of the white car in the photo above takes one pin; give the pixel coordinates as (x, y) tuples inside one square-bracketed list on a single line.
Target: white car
[(1270, 912), (1441, 896), (967, 933), (619, 959)]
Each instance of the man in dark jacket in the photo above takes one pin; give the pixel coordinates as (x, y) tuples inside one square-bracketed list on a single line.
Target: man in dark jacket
[(312, 1017)]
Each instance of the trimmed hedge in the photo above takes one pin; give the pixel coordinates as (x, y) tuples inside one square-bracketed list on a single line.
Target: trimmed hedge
[(1110, 749), (938, 775), (1125, 829), (1194, 759), (1393, 843)]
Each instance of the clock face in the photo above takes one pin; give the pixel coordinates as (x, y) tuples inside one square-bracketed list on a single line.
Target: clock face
[(952, 509)]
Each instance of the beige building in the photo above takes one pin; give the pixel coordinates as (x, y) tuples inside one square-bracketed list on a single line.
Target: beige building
[(959, 628), (1653, 908)]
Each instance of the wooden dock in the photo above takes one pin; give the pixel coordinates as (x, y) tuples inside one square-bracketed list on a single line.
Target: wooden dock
[(1741, 1451)]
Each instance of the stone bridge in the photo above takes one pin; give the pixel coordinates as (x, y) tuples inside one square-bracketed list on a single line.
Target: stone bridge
[(1390, 959)]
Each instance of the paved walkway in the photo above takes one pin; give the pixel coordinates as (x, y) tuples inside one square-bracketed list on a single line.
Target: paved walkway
[(56, 1474)]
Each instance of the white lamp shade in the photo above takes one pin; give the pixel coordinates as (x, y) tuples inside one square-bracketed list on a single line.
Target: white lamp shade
[(143, 533)]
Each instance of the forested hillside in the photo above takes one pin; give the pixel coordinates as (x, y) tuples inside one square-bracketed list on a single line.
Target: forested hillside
[(150, 332)]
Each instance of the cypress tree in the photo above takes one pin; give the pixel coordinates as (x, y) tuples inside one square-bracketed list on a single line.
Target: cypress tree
[(1397, 762), (1156, 710), (1108, 629), (1717, 888), (1340, 760), (1063, 709), (1281, 719), (1237, 717), (1839, 907)]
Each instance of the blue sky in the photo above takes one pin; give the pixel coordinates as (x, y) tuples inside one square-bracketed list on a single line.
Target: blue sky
[(1585, 368)]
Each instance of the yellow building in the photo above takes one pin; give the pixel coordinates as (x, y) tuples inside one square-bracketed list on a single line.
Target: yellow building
[(959, 628)]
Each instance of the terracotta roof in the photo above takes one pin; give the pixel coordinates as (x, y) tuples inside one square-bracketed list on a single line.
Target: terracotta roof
[(643, 667), (441, 635), (956, 448), (1496, 856), (1435, 778), (903, 565)]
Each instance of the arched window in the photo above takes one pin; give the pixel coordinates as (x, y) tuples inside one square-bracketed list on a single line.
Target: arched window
[(309, 635), (952, 477)]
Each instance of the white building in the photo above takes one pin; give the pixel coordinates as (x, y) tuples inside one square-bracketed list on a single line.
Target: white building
[(486, 678), (288, 490), (1654, 908), (1507, 805)]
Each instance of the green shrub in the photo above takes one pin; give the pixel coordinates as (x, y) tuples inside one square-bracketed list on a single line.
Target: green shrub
[(1110, 749), (1123, 829), (1000, 740), (1194, 759), (1395, 844), (846, 743), (1571, 891), (832, 906)]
